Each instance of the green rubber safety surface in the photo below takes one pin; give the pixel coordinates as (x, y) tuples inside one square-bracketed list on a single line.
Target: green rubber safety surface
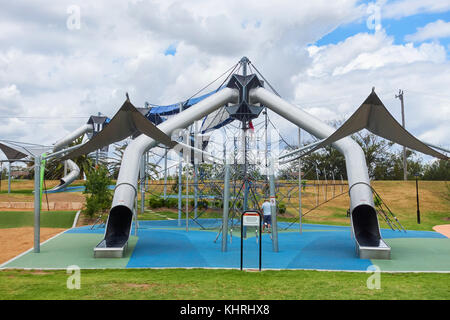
[(71, 249), (416, 254)]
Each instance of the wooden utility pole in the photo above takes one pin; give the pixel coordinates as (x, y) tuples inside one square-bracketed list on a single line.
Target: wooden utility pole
[(405, 169)]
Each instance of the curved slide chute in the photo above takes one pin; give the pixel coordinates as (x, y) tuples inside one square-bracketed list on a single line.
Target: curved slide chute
[(118, 226), (364, 220), (72, 167)]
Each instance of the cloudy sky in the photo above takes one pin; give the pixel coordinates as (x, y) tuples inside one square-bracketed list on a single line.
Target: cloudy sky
[(62, 61)]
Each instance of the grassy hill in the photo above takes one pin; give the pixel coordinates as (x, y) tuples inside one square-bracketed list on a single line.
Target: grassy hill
[(399, 196)]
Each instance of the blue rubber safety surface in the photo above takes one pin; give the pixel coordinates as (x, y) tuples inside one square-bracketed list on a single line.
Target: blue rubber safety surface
[(74, 189), (167, 244)]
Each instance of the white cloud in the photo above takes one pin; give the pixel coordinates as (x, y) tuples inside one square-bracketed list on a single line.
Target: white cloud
[(49, 71), (433, 30), (10, 100), (366, 51), (341, 77), (403, 8)]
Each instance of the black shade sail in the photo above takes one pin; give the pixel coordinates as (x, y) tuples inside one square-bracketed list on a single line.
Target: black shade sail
[(128, 121), (373, 116)]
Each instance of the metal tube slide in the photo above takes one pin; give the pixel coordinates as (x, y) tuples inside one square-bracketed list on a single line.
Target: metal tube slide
[(364, 220), (119, 221), (72, 136), (74, 171)]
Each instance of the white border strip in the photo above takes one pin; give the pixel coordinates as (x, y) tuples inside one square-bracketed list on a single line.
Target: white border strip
[(75, 221)]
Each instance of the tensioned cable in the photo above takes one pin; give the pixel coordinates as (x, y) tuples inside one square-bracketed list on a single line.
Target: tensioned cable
[(226, 79), (202, 89), (265, 80), (270, 121)]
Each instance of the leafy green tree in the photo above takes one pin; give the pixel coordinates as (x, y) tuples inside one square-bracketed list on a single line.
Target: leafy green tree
[(377, 152), (54, 168), (438, 170), (327, 161), (115, 163), (99, 196)]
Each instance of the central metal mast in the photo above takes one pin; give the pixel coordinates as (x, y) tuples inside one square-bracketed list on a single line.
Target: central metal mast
[(244, 62)]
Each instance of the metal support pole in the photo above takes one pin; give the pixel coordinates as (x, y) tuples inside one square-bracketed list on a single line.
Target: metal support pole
[(245, 170), (142, 183), (300, 185), (187, 196), (180, 187), (165, 174), (266, 147), (326, 184), (147, 158), (180, 180), (245, 204), (405, 168), (226, 208), (417, 199), (317, 195), (274, 214), (135, 216), (244, 62), (9, 177), (37, 203), (195, 189), (195, 173), (334, 184)]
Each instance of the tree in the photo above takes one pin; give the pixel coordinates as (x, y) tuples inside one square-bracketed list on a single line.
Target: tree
[(438, 170), (55, 167), (328, 161), (376, 151), (99, 196), (152, 169)]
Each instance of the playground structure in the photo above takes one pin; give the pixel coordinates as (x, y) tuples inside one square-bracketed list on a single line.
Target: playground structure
[(243, 97)]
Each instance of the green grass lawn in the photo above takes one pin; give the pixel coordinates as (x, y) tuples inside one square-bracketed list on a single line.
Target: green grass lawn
[(220, 284), (52, 219), (23, 191)]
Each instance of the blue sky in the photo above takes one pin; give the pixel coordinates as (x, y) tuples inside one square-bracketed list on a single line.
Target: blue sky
[(398, 28)]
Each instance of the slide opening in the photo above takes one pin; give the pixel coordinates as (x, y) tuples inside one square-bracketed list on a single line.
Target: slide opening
[(365, 226), (118, 228)]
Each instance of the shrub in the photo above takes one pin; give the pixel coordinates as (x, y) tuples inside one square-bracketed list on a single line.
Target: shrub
[(171, 203), (99, 196), (281, 207), (304, 184), (155, 202), (202, 204), (377, 201)]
